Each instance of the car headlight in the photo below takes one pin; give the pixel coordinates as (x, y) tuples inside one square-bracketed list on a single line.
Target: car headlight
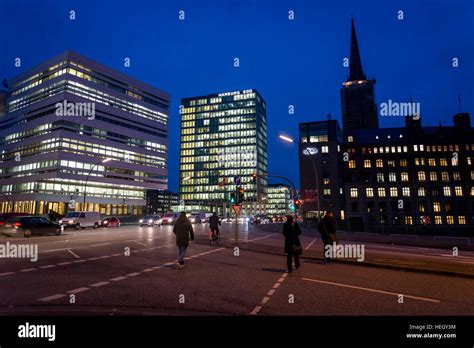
[(105, 222), (71, 221), (60, 221), (150, 221), (140, 221)]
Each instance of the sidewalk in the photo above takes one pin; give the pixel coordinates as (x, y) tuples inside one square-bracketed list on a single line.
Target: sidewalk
[(402, 258)]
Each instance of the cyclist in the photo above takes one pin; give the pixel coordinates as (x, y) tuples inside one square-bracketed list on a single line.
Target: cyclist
[(214, 223)]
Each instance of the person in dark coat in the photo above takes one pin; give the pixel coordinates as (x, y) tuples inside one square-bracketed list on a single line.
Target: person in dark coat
[(327, 229), (214, 223), (183, 229), (291, 231)]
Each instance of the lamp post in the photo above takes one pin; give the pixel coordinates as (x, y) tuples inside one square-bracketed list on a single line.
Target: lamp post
[(310, 152), (87, 179)]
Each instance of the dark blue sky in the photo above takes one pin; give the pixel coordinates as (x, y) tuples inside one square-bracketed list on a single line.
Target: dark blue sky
[(290, 62)]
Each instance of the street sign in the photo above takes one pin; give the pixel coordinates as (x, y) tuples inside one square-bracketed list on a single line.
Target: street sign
[(237, 180), (237, 208)]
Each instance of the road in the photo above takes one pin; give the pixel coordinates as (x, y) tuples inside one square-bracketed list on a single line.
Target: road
[(88, 272)]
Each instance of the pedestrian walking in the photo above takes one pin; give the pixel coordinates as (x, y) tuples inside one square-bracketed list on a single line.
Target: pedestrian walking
[(183, 229), (293, 248), (327, 229)]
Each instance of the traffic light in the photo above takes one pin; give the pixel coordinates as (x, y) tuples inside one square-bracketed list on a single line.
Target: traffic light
[(254, 178), (241, 197), (297, 204), (233, 198)]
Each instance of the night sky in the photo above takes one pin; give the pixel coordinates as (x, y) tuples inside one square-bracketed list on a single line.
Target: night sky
[(295, 62)]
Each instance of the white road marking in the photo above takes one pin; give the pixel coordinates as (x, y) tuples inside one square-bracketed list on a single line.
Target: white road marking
[(265, 299), (309, 245), (253, 240), (48, 266), (372, 290), (270, 293), (118, 279), (78, 290), (142, 244), (63, 263), (134, 274), (73, 254), (52, 297), (96, 285), (6, 273), (256, 310), (28, 270), (100, 244)]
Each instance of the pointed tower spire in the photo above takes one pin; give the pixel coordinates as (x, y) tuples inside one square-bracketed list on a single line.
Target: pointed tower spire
[(355, 64)]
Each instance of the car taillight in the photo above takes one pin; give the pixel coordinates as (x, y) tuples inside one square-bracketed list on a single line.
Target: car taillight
[(17, 224), (2, 223)]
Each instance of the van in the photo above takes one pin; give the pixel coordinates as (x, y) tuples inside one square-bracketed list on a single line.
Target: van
[(81, 219), (197, 217)]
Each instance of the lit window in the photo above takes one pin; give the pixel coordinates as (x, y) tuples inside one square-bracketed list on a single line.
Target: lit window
[(326, 181), (324, 149), (352, 164), (380, 177), (447, 191), (367, 164), (354, 192), (350, 139), (421, 192), (432, 162), (450, 220), (445, 176), (436, 207), (381, 191), (403, 163), (391, 164), (327, 192), (415, 147), (379, 163), (461, 220), (421, 176), (458, 191), (438, 220), (393, 192), (369, 191), (409, 220), (404, 176), (456, 176), (433, 176), (392, 177), (443, 162), (406, 192)]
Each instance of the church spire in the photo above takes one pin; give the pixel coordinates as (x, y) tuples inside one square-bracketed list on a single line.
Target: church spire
[(355, 64)]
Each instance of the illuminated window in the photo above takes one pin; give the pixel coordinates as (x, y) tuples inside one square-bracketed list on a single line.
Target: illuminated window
[(350, 139), (447, 191), (458, 191), (456, 176), (352, 164), (392, 177), (404, 176), (445, 176), (403, 163), (367, 164), (391, 164), (469, 161), (327, 192), (379, 163), (436, 207), (380, 177), (422, 207), (415, 147), (354, 192), (450, 219), (438, 220), (461, 220), (443, 162), (433, 176), (369, 191), (406, 191), (381, 191), (409, 220), (421, 176), (326, 181), (324, 149), (432, 162), (421, 192), (393, 192), (454, 161)]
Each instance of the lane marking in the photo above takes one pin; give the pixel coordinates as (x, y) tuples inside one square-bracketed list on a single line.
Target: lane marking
[(270, 293), (142, 244), (28, 269), (47, 266), (309, 245), (63, 263), (116, 279), (252, 240), (78, 290), (52, 297), (100, 244), (6, 273), (134, 274), (96, 285), (372, 290), (73, 254), (256, 310)]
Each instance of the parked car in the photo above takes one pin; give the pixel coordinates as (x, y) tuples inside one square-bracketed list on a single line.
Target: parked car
[(81, 219), (197, 218), (111, 221), (169, 218), (261, 219), (5, 216), (150, 220), (29, 225)]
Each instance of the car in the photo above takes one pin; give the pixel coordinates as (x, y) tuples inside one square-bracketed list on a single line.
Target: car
[(169, 218), (197, 218), (111, 221), (81, 219), (30, 225), (149, 220), (6, 216)]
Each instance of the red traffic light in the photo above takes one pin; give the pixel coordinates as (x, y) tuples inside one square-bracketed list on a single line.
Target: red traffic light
[(254, 177)]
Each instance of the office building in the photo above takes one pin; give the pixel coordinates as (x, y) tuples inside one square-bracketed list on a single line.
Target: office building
[(223, 136), (278, 200), (160, 202), (77, 130)]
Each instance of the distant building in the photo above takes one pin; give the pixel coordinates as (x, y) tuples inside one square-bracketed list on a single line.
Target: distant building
[(278, 199), (160, 202), (223, 136), (3, 103), (76, 126), (359, 109)]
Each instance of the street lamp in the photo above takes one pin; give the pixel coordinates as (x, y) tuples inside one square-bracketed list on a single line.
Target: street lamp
[(87, 179), (310, 152)]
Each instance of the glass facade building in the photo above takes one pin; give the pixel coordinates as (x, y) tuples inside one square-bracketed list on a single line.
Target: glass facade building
[(278, 200), (223, 135), (64, 118)]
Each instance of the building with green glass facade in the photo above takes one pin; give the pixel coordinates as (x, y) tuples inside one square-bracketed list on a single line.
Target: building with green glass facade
[(223, 136)]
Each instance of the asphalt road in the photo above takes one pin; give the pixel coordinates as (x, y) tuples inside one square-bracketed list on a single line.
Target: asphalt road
[(87, 272)]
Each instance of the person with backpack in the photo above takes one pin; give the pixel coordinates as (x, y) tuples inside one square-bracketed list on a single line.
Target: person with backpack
[(327, 229), (293, 249)]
